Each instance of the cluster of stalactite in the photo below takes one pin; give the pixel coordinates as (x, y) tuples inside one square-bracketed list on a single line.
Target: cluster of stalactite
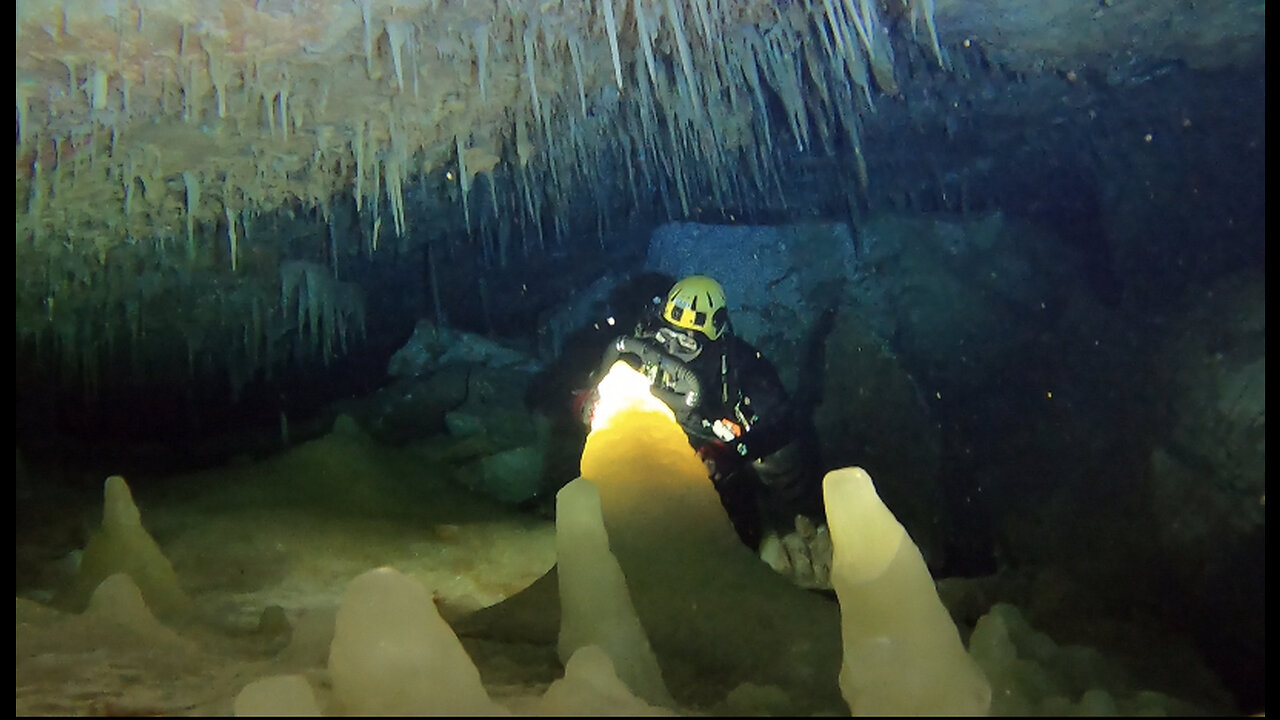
[(154, 137)]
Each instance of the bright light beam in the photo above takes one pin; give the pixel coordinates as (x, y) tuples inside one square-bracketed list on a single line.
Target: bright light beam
[(625, 388)]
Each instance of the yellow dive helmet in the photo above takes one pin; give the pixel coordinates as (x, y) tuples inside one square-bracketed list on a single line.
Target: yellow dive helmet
[(697, 303)]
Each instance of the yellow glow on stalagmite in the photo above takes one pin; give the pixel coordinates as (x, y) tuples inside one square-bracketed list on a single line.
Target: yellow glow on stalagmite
[(624, 388), (703, 598), (636, 454)]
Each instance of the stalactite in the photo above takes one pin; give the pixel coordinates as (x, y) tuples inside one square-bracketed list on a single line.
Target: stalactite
[(192, 184), (398, 33), (529, 30), (24, 91), (464, 183), (357, 146), (696, 127), (219, 78), (686, 55), (925, 9), (98, 89), (611, 27), (233, 243), (283, 98), (575, 53), (480, 39), (366, 16), (646, 40), (269, 106)]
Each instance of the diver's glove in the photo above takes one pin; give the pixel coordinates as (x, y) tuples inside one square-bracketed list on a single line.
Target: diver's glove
[(721, 459), (803, 555), (584, 404)]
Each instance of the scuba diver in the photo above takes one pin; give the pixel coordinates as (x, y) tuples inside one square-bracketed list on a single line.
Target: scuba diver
[(739, 418)]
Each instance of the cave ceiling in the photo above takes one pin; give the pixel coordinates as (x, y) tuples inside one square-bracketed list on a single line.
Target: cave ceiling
[(151, 134)]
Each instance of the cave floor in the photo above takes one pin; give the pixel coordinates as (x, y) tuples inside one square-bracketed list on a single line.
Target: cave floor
[(276, 534)]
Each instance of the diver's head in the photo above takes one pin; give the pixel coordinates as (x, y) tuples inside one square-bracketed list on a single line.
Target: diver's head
[(697, 303)]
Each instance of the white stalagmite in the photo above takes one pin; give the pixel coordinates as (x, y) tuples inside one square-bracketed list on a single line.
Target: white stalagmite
[(596, 607), (392, 654), (902, 652)]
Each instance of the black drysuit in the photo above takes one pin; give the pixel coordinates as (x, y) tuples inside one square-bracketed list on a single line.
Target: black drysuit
[(762, 475)]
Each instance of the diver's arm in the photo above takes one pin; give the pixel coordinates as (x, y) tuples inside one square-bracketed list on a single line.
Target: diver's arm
[(770, 402), (687, 394)]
